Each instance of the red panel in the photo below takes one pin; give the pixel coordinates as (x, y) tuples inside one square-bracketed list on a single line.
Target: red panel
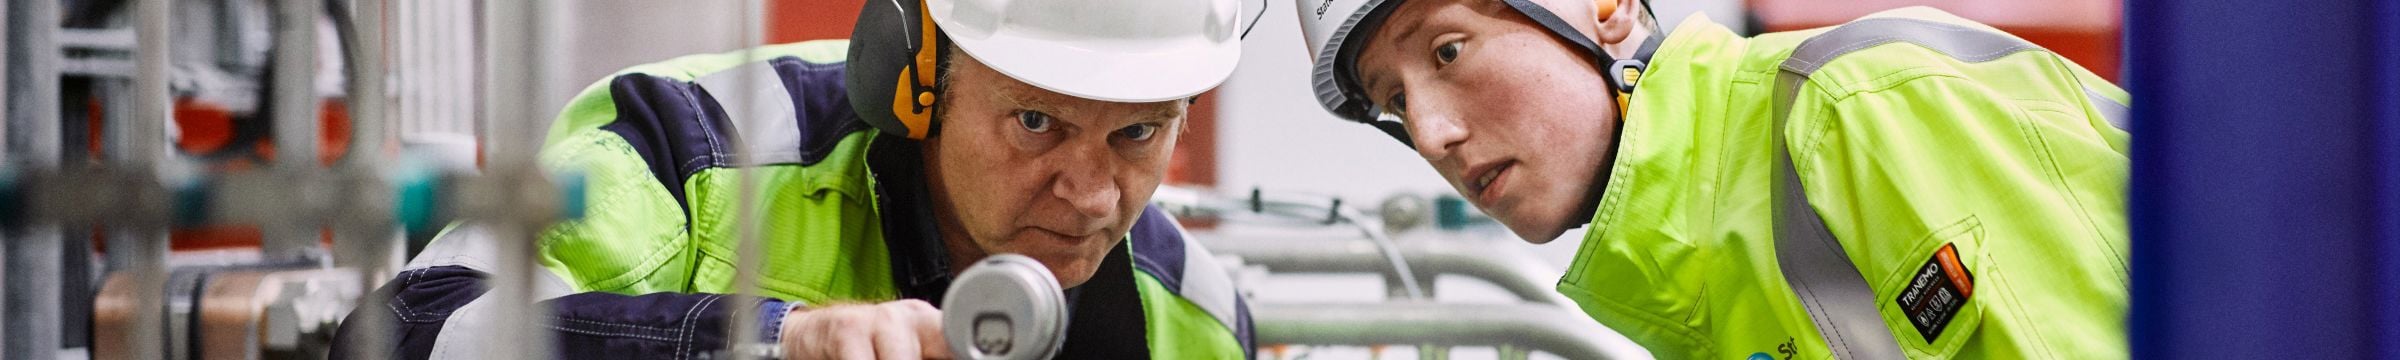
[(801, 20), (1195, 162), (2086, 31)]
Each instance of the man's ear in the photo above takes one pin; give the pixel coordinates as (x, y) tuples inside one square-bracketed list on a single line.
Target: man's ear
[(1614, 20)]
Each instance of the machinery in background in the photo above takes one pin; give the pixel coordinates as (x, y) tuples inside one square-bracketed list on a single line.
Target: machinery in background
[(1263, 236), (115, 141)]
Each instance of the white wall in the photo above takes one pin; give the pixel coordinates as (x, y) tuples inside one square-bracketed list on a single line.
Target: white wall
[(599, 37)]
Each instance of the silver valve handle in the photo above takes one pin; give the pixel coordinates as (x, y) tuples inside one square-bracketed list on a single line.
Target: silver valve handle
[(1006, 306)]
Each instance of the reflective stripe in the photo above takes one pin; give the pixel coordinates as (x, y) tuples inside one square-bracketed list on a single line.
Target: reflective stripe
[(2109, 109), (470, 246), (1959, 42), (1205, 282), (1162, 248), (1828, 284), (761, 115), (1838, 299)]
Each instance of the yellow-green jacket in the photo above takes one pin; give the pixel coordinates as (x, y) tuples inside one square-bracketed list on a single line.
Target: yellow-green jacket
[(844, 215), (1912, 131)]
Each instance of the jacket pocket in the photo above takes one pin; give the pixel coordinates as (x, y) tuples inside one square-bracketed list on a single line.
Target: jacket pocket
[(1935, 305)]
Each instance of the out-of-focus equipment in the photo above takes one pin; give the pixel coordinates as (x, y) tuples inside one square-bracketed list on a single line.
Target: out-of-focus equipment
[(1078, 48), (253, 308), (1005, 307), (128, 119), (232, 312), (1265, 236)]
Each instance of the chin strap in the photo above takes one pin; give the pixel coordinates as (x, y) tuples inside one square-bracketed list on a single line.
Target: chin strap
[(1622, 74)]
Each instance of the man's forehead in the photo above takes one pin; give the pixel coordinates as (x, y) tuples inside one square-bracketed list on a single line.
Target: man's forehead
[(1402, 24), (1009, 91)]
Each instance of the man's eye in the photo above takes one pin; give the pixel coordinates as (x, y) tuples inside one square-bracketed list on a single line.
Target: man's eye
[(1397, 106), (1138, 132), (1035, 121), (1446, 53)]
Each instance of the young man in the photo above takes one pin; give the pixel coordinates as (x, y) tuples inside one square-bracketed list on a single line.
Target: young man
[(952, 132), (1910, 184)]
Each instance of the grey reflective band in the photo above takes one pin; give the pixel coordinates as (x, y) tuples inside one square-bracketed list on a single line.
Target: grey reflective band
[(1820, 273), (471, 246), (1206, 284), (762, 117), (1828, 284), (1958, 42), (2109, 108)]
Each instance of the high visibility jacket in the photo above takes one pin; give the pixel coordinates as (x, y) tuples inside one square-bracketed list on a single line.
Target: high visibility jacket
[(845, 218), (1947, 158)]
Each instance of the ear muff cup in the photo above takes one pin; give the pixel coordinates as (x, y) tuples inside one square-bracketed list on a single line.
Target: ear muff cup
[(891, 71)]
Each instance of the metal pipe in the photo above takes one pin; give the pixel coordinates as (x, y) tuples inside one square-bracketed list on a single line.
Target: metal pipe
[(33, 140), (32, 301), (369, 120), (1315, 255), (516, 80), (1536, 327), (139, 146), (1192, 203), (295, 74), (5, 40), (746, 211), (290, 235), (33, 58), (140, 142), (366, 238)]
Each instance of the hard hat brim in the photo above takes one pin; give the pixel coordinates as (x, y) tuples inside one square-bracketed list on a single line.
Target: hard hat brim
[(1151, 75), (1333, 73)]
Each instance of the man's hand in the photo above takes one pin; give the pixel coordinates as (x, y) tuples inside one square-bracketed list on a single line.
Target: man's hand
[(906, 329)]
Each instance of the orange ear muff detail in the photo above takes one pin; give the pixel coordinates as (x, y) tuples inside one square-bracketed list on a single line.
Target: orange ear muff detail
[(1603, 9), (910, 114), (913, 98)]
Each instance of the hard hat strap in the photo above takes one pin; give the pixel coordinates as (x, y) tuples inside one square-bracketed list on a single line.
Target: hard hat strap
[(1622, 74)]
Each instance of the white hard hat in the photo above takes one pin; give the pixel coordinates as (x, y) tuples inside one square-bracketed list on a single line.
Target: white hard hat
[(1109, 50), (1113, 50), (1334, 33), (1337, 29)]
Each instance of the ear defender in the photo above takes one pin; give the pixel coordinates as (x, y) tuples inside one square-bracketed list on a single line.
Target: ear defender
[(1625, 73), (913, 97), (1603, 9)]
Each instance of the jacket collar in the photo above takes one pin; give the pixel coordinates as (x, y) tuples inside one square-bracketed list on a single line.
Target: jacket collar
[(920, 263)]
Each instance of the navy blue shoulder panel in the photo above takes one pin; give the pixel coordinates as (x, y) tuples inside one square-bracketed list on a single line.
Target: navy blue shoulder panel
[(421, 300), (823, 102), (680, 129), (1158, 247), (664, 122), (591, 325)]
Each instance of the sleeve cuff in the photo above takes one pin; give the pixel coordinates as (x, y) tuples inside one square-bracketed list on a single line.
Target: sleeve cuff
[(770, 319)]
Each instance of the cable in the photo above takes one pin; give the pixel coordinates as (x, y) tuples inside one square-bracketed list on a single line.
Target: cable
[(1190, 203), (1262, 13)]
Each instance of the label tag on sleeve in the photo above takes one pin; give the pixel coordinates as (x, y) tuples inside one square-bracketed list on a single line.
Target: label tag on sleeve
[(1936, 292)]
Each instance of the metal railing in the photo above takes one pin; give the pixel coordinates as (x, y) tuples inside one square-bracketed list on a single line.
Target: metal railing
[(1513, 328), (1544, 321), (141, 188)]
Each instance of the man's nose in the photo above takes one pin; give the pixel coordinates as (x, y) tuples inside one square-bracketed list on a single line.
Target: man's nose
[(1434, 128), (1084, 180)]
